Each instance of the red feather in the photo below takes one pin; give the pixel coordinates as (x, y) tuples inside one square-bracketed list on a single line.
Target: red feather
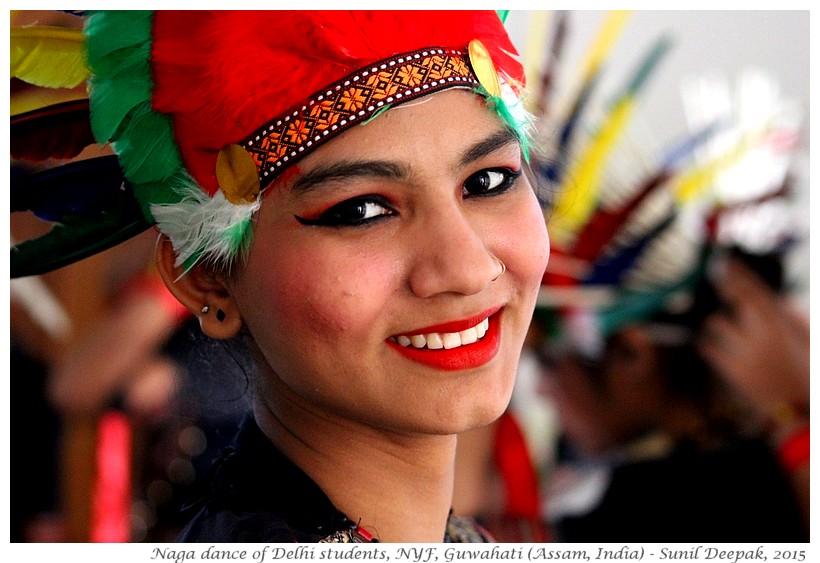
[(58, 131), (605, 224), (224, 74)]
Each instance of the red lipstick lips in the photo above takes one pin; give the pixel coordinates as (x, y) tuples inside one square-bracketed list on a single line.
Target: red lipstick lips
[(462, 357)]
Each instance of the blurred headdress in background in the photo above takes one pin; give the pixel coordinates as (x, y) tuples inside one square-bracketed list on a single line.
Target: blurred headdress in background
[(634, 233)]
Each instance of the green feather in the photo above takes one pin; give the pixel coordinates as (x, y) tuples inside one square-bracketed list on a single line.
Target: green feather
[(500, 107), (73, 240), (110, 105), (638, 306), (146, 147), (116, 30), (377, 113), (190, 262), (119, 47), (238, 236)]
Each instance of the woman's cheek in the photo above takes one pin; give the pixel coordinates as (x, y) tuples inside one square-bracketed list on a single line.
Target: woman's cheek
[(300, 299), (527, 245), (326, 295)]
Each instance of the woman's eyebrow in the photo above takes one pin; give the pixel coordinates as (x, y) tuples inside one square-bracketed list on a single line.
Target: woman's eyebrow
[(347, 170), (494, 142), (393, 170)]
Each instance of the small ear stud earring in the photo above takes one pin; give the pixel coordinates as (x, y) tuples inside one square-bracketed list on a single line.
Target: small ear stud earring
[(205, 310)]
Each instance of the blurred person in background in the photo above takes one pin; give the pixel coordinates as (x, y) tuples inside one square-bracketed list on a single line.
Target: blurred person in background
[(657, 446), (759, 344)]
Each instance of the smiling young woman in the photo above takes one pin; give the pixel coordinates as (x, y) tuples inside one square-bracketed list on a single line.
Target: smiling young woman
[(397, 251), (418, 252), (410, 221)]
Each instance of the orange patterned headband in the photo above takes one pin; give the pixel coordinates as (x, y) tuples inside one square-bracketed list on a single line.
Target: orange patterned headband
[(353, 99)]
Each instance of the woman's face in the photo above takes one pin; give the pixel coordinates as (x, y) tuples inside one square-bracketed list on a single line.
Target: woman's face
[(391, 231)]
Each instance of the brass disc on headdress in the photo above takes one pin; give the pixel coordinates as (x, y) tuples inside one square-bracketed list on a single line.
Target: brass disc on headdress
[(237, 175), (484, 68)]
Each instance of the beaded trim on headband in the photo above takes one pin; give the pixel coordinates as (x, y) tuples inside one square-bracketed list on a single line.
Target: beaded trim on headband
[(352, 100)]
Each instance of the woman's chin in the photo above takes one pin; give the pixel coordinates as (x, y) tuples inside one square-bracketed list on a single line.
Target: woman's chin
[(479, 417)]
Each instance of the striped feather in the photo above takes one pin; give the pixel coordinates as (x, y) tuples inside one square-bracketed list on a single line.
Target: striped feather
[(597, 53), (579, 190)]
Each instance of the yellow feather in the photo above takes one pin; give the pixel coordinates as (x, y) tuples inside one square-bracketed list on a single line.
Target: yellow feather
[(607, 35), (698, 181), (533, 56), (51, 57), (578, 193)]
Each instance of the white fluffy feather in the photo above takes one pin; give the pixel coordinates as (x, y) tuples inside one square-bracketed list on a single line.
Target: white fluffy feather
[(203, 227)]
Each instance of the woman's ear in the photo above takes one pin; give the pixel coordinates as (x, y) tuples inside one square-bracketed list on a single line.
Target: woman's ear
[(202, 291)]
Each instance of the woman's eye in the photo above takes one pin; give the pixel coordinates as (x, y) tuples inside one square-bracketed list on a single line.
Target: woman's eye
[(491, 181), (352, 212)]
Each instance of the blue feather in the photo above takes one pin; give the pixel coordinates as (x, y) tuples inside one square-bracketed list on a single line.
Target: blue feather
[(83, 188), (612, 270)]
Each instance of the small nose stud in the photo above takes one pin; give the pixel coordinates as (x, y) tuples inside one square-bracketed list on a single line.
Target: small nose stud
[(503, 269)]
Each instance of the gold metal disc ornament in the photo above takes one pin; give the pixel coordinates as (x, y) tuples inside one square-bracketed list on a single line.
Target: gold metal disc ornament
[(484, 68), (237, 175)]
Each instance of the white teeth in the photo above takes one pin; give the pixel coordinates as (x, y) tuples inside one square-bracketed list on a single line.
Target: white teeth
[(468, 336), (418, 341), (434, 341), (451, 340), (446, 340)]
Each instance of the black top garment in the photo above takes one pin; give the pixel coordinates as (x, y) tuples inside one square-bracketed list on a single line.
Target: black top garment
[(734, 494), (256, 494)]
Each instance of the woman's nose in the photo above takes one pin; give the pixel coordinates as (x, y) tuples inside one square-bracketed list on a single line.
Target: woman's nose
[(452, 255)]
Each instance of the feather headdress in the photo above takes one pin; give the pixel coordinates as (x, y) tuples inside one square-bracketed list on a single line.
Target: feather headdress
[(206, 108), (631, 247)]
